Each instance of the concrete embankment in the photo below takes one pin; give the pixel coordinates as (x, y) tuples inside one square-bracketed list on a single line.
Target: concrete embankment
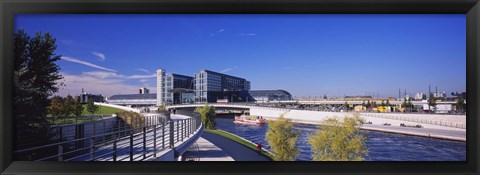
[(381, 124)]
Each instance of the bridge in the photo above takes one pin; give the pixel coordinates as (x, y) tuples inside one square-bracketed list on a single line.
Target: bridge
[(452, 127), (155, 137)]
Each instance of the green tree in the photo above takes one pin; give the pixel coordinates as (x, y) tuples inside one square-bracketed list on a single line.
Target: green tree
[(339, 140), (388, 103), (282, 139), (91, 107), (208, 113), (324, 96), (383, 103), (77, 109), (35, 79), (67, 107), (55, 108), (431, 101), (461, 106), (162, 108)]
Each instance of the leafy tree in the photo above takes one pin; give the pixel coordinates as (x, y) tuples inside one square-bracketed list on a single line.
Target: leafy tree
[(346, 105), (369, 104), (363, 103), (282, 139), (91, 107), (35, 80), (387, 103), (383, 103), (55, 108), (77, 109), (339, 140), (208, 113), (67, 107), (162, 108), (432, 101), (461, 106), (324, 96)]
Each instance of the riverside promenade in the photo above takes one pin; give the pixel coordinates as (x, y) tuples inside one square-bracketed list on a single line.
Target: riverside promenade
[(213, 147)]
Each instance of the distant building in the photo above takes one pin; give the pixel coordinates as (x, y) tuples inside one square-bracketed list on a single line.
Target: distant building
[(270, 95), (84, 97), (358, 98), (143, 90), (440, 94), (211, 86), (134, 100), (174, 88), (420, 96)]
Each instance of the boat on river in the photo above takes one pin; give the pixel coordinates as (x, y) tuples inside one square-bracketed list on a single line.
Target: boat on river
[(244, 119)]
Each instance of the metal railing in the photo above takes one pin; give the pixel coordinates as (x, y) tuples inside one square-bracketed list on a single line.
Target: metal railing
[(137, 140), (418, 120)]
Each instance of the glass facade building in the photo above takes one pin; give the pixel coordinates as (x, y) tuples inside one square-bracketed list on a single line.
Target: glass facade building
[(211, 86)]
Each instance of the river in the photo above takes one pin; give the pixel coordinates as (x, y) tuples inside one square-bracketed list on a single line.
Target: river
[(381, 146)]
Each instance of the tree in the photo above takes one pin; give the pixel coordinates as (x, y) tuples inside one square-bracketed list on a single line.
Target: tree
[(346, 105), (55, 108), (432, 101), (91, 107), (460, 104), (35, 79), (207, 113), (388, 103), (162, 108), (324, 96), (368, 104), (383, 103), (282, 139), (77, 109), (339, 140), (67, 107)]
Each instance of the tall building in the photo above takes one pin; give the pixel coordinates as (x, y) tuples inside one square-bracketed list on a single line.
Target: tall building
[(160, 87), (211, 86), (174, 88), (143, 90), (178, 89)]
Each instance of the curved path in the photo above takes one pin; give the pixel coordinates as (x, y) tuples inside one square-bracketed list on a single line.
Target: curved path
[(237, 151)]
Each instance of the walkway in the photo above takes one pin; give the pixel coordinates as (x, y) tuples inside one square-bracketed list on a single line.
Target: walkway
[(237, 151), (207, 151)]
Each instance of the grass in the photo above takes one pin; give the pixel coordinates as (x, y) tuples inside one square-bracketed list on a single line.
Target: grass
[(240, 141), (105, 110), (71, 120)]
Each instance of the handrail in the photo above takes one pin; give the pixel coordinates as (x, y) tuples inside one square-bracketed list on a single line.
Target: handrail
[(150, 139)]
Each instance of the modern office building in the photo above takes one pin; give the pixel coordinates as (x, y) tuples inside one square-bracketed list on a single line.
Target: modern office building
[(134, 100), (270, 95), (211, 86), (174, 88)]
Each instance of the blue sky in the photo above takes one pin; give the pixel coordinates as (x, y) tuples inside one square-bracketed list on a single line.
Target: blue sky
[(308, 55)]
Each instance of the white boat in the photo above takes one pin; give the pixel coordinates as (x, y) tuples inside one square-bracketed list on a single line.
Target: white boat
[(243, 119)]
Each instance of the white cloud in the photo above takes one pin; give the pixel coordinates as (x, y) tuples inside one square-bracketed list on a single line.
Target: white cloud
[(229, 69), (143, 80), (101, 74), (246, 34), (86, 63), (142, 76), (219, 31), (96, 85), (99, 55), (144, 70)]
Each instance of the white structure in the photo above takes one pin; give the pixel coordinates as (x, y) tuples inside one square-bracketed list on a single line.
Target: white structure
[(440, 94), (143, 90), (160, 87), (419, 96)]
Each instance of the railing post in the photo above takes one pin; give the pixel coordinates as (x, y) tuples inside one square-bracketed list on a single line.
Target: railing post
[(163, 135), (92, 149), (144, 142), (154, 141), (60, 153), (114, 147), (178, 132), (171, 133), (131, 145)]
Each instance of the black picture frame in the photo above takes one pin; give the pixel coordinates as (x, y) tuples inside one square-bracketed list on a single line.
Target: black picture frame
[(9, 8)]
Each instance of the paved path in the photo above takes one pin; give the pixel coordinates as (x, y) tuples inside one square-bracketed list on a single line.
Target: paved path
[(237, 151), (207, 151)]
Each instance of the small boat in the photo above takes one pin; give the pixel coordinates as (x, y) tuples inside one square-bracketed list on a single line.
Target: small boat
[(243, 119)]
